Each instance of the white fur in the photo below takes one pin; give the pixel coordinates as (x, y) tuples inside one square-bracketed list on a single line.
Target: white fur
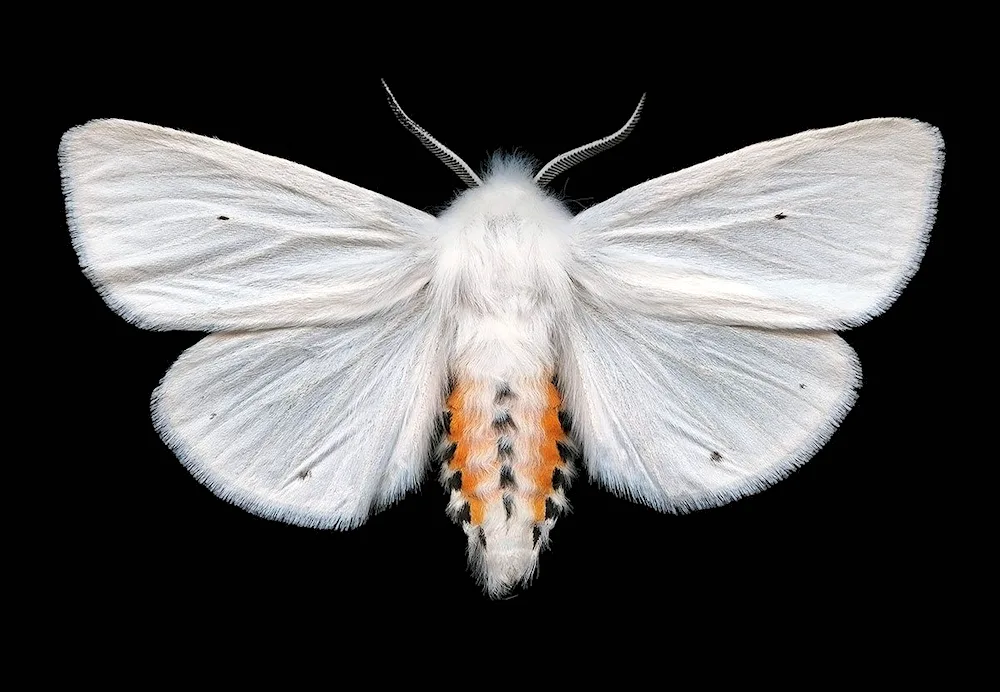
[(677, 314), (501, 282), (502, 277)]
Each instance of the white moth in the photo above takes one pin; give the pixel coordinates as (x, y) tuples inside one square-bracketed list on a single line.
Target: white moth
[(676, 341)]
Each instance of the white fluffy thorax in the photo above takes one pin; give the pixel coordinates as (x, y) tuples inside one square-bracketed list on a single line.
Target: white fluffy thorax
[(501, 273)]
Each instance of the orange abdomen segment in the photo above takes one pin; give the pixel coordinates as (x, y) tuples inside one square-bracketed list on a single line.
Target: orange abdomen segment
[(549, 458), (506, 459), (505, 448)]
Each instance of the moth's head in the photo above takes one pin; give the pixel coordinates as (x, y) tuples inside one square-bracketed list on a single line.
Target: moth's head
[(508, 189), (513, 167)]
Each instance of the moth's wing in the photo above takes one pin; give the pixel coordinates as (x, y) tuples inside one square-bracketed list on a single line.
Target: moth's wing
[(690, 366), (179, 231), (316, 426), (681, 415), (818, 230)]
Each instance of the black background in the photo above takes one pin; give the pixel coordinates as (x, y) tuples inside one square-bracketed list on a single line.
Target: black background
[(840, 536)]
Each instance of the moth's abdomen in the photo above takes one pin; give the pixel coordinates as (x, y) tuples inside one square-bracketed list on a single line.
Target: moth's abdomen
[(507, 460), (502, 282)]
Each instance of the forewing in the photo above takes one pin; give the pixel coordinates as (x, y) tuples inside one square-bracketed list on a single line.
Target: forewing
[(180, 231), (682, 416), (818, 230), (315, 426)]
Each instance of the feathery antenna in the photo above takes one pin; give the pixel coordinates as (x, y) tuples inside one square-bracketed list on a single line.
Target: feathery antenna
[(450, 158), (572, 157)]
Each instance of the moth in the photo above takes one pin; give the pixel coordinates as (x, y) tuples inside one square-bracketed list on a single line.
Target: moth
[(675, 342)]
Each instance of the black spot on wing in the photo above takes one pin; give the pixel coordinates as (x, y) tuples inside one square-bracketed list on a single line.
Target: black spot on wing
[(779, 217), (508, 505), (454, 482), (536, 534), (223, 218), (482, 537), (464, 515), (715, 456)]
